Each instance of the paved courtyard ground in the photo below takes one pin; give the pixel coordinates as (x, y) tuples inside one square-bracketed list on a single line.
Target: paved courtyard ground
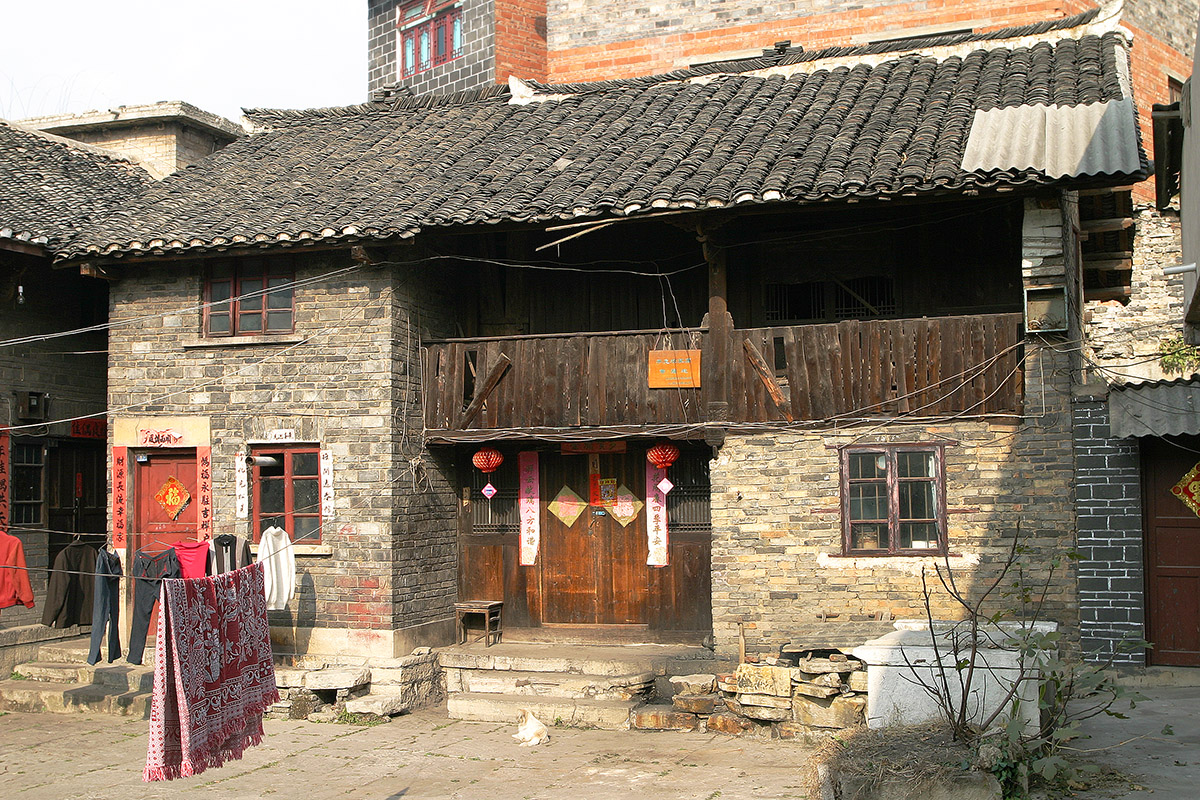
[(426, 755)]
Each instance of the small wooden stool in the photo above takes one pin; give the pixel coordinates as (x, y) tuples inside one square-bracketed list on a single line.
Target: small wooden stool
[(492, 611)]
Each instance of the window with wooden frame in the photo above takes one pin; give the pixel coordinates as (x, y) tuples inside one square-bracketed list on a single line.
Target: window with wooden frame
[(249, 297), (893, 500), (28, 496), (429, 35), (287, 491)]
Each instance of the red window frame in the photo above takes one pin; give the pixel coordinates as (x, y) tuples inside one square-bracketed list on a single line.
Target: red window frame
[(249, 297), (430, 23), (286, 473), (890, 480)]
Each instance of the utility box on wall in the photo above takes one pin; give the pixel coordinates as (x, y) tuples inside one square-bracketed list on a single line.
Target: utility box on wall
[(1045, 309), (32, 406)]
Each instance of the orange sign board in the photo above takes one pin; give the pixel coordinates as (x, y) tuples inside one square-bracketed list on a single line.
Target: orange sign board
[(674, 369)]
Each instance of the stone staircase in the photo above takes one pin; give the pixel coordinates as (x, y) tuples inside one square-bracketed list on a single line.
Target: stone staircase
[(61, 681), (572, 685)]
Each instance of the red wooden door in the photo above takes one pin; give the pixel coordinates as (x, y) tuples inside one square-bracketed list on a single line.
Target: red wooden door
[(165, 497), (1172, 554)]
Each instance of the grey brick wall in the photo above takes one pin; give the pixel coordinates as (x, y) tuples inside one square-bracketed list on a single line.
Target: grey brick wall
[(1109, 509), (475, 68), (1171, 21)]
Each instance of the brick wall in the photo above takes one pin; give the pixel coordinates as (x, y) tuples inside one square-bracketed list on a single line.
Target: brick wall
[(520, 39), (1172, 22), (1124, 337), (1108, 504), (777, 528), (161, 148), (346, 381), (69, 370), (475, 68)]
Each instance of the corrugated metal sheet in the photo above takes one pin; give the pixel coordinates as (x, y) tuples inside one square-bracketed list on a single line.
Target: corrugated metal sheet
[(1160, 408), (1060, 141)]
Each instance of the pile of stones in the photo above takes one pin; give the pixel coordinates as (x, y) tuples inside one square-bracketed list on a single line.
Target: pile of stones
[(824, 692)]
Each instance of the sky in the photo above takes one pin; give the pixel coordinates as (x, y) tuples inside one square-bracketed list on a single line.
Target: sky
[(220, 55)]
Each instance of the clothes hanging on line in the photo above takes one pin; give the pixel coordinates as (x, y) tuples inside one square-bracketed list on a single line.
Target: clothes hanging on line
[(227, 553), (276, 554), (69, 592), (14, 575), (213, 677), (148, 572), (193, 558), (106, 606)]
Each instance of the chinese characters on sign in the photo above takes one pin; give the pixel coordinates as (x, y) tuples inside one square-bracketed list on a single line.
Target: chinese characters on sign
[(166, 437), (90, 428), (3, 482), (204, 469), (173, 497), (656, 515), (241, 485), (120, 466), (674, 369), (326, 482), (527, 506)]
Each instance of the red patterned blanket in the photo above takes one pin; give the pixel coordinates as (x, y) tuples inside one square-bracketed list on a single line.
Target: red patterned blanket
[(213, 674)]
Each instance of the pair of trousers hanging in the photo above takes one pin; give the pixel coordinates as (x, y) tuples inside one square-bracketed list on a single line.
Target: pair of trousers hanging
[(106, 606)]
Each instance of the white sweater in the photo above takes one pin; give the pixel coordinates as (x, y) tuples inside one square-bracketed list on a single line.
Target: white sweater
[(278, 558)]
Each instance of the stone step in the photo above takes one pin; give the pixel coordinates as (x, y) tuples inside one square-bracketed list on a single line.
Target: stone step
[(527, 660), (75, 651), (550, 684), (604, 714), (127, 677), (71, 698)]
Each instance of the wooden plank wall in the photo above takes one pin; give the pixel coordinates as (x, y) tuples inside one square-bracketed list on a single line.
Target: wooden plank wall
[(919, 367)]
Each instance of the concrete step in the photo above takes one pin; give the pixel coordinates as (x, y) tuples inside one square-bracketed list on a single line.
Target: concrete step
[(531, 660), (116, 676), (70, 698), (605, 714), (550, 684)]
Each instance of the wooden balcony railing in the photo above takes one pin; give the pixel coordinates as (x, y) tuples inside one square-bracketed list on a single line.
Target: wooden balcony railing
[(919, 367)]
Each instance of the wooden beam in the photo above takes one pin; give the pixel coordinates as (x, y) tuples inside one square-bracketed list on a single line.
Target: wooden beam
[(489, 384), (720, 327), (1107, 293), (1104, 190), (1104, 256), (764, 374), (18, 246), (1108, 264), (1105, 225), (90, 270)]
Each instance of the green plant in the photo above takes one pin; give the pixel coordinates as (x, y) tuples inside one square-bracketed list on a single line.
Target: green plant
[(17, 676), (367, 720), (1068, 690), (1176, 357)]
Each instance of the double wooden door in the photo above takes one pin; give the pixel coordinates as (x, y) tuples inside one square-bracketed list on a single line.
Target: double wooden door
[(591, 568), (1172, 553)]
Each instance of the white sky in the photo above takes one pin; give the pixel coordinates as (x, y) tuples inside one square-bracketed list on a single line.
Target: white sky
[(220, 55)]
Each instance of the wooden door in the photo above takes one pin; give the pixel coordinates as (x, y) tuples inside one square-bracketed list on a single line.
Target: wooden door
[(162, 480), (1172, 553), (77, 493)]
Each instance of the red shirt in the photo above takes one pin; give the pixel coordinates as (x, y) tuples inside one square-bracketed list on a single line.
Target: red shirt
[(193, 558), (14, 577)]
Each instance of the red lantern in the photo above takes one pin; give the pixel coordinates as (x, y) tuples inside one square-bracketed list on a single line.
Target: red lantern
[(487, 459), (662, 455)]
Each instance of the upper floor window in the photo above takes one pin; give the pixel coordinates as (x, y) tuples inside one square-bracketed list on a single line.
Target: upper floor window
[(430, 34), (893, 500), (249, 296), (287, 491), (831, 300)]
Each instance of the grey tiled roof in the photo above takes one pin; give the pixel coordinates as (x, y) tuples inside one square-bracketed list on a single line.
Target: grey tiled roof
[(49, 187), (810, 129)]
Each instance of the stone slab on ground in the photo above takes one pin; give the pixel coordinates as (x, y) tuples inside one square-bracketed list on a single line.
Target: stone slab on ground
[(663, 718), (701, 683), (604, 714), (696, 703), (381, 705), (335, 678)]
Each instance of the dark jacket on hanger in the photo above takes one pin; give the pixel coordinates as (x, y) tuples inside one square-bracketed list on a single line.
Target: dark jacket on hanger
[(69, 592), (229, 552)]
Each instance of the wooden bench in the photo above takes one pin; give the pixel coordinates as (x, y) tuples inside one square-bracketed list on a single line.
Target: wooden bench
[(492, 612)]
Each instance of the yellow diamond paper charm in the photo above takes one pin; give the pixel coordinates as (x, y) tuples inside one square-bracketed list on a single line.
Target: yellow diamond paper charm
[(626, 508), (173, 497), (1188, 490), (567, 506)]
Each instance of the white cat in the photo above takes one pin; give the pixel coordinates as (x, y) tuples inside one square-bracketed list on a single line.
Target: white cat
[(530, 730)]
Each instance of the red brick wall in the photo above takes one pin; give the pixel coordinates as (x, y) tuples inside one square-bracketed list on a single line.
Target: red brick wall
[(521, 39), (1152, 61), (669, 51)]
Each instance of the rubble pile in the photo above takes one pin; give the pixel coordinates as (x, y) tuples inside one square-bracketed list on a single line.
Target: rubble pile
[(807, 695)]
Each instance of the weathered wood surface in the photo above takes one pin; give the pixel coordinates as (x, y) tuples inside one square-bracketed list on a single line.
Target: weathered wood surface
[(876, 368)]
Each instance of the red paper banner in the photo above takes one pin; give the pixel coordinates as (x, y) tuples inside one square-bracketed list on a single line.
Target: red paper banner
[(4, 482), (204, 516), (120, 484)]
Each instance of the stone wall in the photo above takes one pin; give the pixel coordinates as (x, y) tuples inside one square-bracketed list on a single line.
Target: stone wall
[(1122, 338), (345, 380), (1108, 503), (777, 519), (475, 68)]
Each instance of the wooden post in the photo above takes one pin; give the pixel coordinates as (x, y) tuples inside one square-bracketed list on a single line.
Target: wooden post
[(720, 330)]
